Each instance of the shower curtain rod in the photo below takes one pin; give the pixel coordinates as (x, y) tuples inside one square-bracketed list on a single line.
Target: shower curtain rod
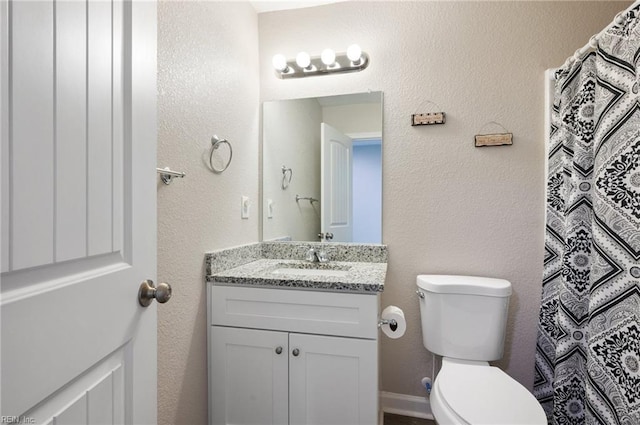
[(593, 41)]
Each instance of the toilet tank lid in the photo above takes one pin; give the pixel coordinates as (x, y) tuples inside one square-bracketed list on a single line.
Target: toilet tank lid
[(471, 285)]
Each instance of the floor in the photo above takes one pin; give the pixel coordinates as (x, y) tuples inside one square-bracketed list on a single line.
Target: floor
[(390, 419)]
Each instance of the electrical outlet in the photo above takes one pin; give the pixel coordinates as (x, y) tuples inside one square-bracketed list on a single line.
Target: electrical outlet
[(245, 207)]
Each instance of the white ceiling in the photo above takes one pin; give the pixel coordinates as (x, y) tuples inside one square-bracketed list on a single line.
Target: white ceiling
[(262, 6)]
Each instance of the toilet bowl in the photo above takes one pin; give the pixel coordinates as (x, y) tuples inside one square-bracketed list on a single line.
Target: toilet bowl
[(475, 393), (464, 320)]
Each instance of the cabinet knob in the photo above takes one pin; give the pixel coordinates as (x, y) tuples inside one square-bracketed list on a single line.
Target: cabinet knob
[(295, 352), (278, 350)]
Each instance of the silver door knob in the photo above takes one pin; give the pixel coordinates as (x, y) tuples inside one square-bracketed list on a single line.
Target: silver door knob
[(148, 291), (295, 352), (278, 350)]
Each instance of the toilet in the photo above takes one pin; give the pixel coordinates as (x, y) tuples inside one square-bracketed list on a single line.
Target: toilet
[(464, 320)]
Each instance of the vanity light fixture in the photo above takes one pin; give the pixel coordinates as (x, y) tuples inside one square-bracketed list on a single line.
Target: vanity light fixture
[(327, 63)]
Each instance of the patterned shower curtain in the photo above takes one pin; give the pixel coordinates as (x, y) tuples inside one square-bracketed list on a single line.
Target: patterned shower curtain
[(588, 350)]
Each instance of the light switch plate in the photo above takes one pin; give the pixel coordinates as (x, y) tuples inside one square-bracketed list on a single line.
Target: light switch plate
[(269, 208), (245, 206)]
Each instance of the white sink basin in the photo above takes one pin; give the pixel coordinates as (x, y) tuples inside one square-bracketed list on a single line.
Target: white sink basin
[(310, 271)]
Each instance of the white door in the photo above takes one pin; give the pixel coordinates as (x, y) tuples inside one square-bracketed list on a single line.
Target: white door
[(332, 380), (78, 211), (336, 210), (249, 377)]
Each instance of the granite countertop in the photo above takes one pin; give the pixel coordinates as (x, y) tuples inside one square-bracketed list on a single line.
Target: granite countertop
[(360, 277), (344, 276)]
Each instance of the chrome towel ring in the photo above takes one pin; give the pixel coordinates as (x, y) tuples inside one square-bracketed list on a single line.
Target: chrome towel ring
[(287, 174), (216, 142)]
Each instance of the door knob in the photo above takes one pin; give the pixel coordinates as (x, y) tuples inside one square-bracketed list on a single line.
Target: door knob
[(278, 350), (296, 352), (148, 291)]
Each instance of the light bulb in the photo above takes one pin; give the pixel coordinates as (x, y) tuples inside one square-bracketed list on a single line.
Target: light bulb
[(303, 60), (280, 63), (354, 53), (328, 57)]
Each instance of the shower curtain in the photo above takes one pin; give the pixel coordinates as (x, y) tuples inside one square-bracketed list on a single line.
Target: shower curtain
[(587, 366)]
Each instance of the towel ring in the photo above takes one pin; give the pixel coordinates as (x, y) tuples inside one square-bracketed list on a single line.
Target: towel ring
[(286, 180), (215, 144)]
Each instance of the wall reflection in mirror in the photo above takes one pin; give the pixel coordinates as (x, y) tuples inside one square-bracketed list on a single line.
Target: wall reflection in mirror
[(322, 168)]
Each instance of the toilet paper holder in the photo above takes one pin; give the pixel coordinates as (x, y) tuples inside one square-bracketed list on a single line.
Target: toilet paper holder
[(391, 322)]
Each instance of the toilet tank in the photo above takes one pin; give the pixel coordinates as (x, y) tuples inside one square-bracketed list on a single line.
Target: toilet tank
[(464, 317)]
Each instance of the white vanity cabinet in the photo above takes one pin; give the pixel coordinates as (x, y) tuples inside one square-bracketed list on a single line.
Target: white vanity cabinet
[(280, 356)]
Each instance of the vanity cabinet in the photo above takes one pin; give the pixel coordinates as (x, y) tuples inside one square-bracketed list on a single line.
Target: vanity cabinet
[(280, 356)]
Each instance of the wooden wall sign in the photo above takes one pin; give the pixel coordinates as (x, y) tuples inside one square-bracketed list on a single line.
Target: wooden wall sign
[(429, 118), (494, 139)]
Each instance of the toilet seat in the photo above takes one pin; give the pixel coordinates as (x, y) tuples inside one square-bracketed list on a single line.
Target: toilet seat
[(467, 392)]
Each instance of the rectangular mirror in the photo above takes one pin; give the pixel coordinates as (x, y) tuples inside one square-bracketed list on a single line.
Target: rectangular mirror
[(322, 168)]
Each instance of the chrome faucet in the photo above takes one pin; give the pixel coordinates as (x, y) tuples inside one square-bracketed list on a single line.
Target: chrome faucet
[(317, 256)]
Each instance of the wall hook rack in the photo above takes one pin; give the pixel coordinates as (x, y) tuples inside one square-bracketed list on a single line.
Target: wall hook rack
[(494, 139), (167, 175), (428, 118)]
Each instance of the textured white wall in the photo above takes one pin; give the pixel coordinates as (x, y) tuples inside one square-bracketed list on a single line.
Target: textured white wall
[(449, 207), (208, 84)]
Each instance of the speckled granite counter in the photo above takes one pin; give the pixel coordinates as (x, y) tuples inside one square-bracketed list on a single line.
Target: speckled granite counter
[(363, 267)]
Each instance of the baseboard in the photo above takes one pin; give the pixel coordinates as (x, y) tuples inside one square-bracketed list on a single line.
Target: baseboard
[(406, 405)]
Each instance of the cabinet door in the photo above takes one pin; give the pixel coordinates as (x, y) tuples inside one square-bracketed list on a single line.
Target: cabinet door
[(332, 380), (248, 377)]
